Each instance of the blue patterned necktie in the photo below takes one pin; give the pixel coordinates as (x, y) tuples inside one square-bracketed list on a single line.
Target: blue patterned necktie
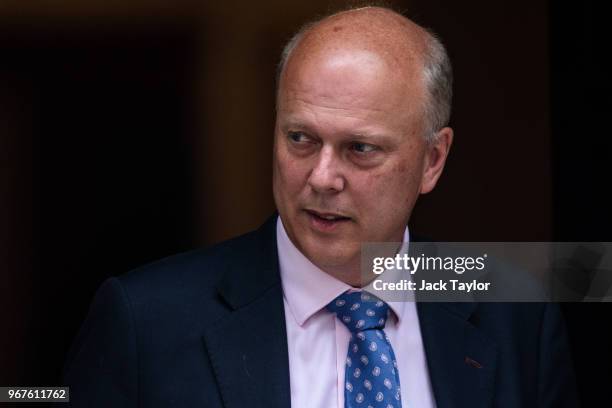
[(371, 375)]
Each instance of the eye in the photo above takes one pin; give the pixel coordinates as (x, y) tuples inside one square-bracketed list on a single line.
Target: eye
[(297, 137), (363, 148)]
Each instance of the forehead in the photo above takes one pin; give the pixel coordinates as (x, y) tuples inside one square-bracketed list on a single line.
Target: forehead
[(351, 81), (350, 76)]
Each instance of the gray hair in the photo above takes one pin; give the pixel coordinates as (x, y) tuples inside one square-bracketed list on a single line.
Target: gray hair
[(437, 74)]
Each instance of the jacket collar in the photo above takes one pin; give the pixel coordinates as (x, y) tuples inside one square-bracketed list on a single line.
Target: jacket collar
[(253, 267), (248, 347)]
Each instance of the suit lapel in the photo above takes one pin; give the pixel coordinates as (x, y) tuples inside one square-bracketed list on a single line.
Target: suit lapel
[(248, 348), (461, 359)]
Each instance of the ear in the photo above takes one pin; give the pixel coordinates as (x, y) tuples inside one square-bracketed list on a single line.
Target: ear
[(435, 158)]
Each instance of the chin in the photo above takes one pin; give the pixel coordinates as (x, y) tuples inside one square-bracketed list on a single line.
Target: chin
[(332, 257)]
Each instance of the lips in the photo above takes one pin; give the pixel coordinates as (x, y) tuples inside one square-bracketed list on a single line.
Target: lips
[(326, 221), (327, 215)]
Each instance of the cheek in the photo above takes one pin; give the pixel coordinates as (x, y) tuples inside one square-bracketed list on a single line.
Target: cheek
[(370, 192), (391, 180), (392, 190), (289, 173)]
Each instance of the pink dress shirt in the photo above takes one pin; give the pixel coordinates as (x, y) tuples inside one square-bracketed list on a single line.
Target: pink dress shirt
[(318, 342)]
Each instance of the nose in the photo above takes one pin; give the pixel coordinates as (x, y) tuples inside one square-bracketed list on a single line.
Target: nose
[(326, 176)]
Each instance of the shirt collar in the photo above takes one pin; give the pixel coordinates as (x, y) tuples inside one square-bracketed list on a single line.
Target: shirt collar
[(306, 288)]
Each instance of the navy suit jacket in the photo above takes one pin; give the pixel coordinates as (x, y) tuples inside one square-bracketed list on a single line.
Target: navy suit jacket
[(207, 329)]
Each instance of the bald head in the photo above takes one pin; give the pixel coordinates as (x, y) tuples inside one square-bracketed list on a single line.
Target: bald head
[(406, 54)]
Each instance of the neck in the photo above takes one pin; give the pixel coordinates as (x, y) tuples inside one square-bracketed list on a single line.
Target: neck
[(350, 274), (357, 275)]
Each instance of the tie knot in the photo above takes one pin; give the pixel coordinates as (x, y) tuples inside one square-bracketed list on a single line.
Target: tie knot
[(359, 311)]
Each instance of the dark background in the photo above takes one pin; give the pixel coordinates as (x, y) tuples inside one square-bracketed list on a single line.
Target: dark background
[(133, 130)]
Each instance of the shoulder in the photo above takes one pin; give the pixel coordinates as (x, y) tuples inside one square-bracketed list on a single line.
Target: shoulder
[(190, 274), (193, 280), (174, 298)]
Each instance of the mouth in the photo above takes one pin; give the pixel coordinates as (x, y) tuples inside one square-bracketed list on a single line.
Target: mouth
[(326, 221)]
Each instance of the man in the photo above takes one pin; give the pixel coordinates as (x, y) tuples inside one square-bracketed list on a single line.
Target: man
[(362, 107)]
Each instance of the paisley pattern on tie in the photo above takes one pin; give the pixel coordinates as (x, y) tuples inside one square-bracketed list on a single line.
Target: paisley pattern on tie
[(371, 375)]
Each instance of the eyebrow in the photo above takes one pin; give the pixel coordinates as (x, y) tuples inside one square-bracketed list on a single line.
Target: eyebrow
[(364, 136), (372, 137)]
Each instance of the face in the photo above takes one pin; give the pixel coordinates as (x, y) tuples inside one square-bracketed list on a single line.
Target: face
[(349, 155)]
